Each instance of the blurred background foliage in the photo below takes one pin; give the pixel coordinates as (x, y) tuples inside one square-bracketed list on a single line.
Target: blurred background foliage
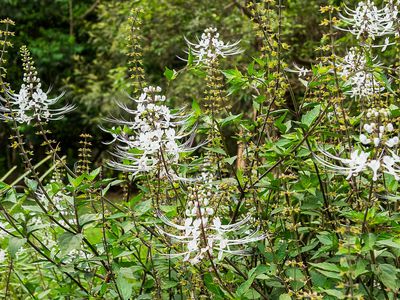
[(80, 47)]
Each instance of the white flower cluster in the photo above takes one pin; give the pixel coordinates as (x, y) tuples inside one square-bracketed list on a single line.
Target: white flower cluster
[(355, 70), (384, 159), (150, 141), (376, 135), (47, 238), (75, 254), (373, 112), (203, 232), (31, 102), (210, 47), (60, 200), (367, 21)]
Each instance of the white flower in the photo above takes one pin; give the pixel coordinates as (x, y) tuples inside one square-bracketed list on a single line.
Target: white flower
[(379, 135), (76, 254), (151, 140), (356, 164), (202, 232), (368, 127), (390, 163), (385, 160), (377, 141), (367, 21), (31, 102), (374, 165), (210, 47), (364, 140), (386, 44), (27, 106), (301, 71), (358, 75), (392, 142), (202, 237)]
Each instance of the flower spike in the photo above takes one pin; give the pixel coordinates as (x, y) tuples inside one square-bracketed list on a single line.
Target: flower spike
[(210, 47), (31, 102), (151, 140)]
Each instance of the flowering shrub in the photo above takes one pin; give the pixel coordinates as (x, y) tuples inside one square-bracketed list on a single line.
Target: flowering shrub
[(294, 197)]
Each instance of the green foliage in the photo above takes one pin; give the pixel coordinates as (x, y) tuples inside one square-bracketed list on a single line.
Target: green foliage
[(261, 137)]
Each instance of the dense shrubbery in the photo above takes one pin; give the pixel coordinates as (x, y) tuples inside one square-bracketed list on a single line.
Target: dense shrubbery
[(278, 182)]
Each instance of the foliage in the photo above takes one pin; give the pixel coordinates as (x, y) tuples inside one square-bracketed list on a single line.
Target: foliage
[(279, 181)]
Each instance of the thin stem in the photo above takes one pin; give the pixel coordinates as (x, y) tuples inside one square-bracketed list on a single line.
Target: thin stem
[(10, 268)]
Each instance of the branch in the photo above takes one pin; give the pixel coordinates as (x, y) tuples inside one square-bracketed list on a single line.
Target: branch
[(89, 10), (244, 9)]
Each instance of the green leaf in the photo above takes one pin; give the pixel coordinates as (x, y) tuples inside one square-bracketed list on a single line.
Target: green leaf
[(336, 293), (383, 79), (369, 242), (170, 284), (285, 297), (388, 275), (14, 244), (230, 160), (232, 74), (93, 234), (240, 178), (135, 199), (196, 108), (252, 294), (142, 207), (311, 116), (124, 287), (190, 58), (170, 74), (216, 150), (75, 182), (328, 269), (69, 241), (92, 175), (261, 269), (236, 80), (391, 183), (230, 119), (394, 111), (389, 243), (330, 274), (3, 186), (279, 123), (31, 184), (112, 183), (245, 286), (213, 288), (145, 297), (250, 68), (297, 278), (326, 266), (360, 268), (87, 218), (260, 99)]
